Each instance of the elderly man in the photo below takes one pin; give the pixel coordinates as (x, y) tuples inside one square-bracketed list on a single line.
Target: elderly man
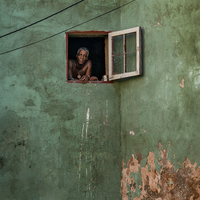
[(81, 67)]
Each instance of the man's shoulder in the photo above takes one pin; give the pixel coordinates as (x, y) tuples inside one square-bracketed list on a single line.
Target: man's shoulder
[(88, 62), (72, 62)]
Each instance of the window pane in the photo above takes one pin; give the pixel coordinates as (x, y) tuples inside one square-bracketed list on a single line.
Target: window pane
[(118, 62), (125, 56), (130, 42), (118, 45), (131, 62)]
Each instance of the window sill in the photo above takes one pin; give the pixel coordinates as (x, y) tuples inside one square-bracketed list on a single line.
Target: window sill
[(90, 82)]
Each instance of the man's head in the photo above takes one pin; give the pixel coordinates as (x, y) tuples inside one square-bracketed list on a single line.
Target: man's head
[(82, 55)]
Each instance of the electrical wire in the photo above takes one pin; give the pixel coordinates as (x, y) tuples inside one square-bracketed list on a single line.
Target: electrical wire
[(41, 19), (67, 29)]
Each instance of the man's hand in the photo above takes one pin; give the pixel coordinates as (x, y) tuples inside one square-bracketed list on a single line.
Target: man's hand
[(84, 79), (93, 78)]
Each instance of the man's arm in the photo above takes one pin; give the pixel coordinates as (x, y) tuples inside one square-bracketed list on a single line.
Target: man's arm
[(85, 78), (70, 65), (71, 69)]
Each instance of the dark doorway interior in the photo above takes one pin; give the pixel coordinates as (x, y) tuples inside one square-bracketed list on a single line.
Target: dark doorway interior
[(96, 48)]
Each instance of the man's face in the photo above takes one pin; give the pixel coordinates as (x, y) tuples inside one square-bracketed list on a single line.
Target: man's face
[(82, 56)]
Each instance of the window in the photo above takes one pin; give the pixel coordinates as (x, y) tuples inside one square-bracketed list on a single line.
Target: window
[(125, 55), (97, 43), (115, 54)]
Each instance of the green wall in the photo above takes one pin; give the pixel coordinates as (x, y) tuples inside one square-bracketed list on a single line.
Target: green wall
[(157, 106), (154, 106), (63, 141), (58, 140)]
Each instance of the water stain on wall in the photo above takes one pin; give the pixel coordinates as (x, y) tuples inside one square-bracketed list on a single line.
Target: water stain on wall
[(64, 109), (167, 183), (29, 102)]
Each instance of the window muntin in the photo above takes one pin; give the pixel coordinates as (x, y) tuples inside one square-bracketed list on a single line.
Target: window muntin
[(125, 53)]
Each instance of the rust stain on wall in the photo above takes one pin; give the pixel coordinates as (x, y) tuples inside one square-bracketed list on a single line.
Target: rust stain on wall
[(165, 184)]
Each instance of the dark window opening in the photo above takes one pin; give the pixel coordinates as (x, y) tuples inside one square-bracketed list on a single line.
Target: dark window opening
[(97, 43), (96, 48)]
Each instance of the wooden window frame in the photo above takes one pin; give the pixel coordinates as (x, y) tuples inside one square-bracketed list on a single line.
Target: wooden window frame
[(88, 34), (138, 71)]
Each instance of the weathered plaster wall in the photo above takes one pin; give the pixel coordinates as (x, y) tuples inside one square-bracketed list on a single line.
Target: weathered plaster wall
[(57, 140), (62, 141), (163, 104)]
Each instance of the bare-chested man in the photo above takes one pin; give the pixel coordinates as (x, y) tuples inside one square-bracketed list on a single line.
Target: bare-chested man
[(81, 67)]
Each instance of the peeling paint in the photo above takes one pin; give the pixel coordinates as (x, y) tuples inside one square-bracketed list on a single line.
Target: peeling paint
[(182, 83), (132, 133), (167, 183)]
